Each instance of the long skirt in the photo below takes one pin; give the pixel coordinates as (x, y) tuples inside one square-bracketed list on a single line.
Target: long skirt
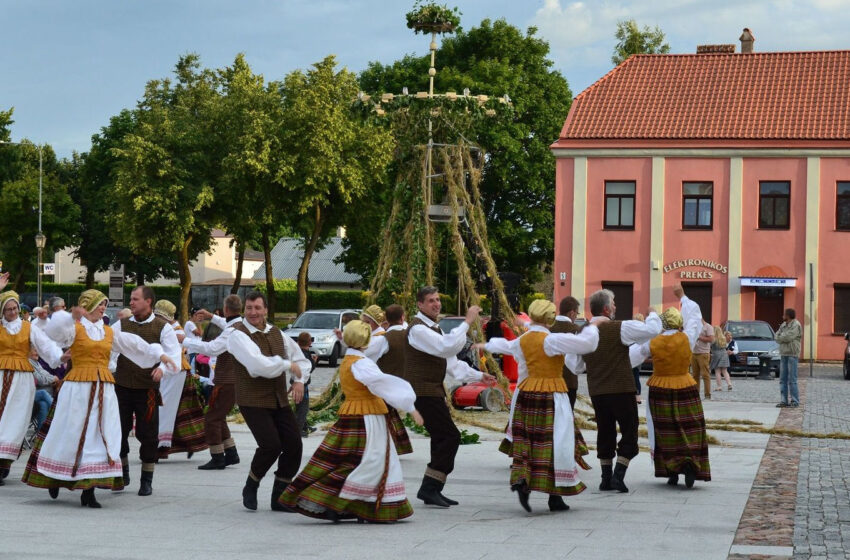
[(16, 401), (401, 439), (82, 450), (676, 427), (544, 447), (355, 473), (188, 433), (171, 389)]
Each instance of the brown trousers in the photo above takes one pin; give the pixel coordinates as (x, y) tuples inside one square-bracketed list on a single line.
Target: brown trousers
[(278, 438), (215, 420), (699, 370)]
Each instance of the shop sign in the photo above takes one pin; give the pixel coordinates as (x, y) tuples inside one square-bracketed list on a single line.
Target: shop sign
[(708, 274), (768, 282)]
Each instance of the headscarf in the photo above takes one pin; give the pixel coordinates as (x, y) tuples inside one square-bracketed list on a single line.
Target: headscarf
[(542, 311), (375, 313), (7, 296), (165, 309), (671, 319), (357, 334), (90, 299)]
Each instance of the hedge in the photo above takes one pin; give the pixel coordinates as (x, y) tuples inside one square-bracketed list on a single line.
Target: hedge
[(71, 292)]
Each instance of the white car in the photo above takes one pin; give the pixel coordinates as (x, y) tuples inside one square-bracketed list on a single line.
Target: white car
[(320, 323)]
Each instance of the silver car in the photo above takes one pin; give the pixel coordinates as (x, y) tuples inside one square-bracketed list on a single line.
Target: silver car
[(755, 342), (320, 323)]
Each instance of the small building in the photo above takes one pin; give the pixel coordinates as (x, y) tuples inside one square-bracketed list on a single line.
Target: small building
[(326, 270), (727, 172)]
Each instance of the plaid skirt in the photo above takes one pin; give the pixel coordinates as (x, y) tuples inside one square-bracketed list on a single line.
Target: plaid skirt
[(399, 433), (38, 480), (679, 432), (321, 481), (533, 446), (189, 426), (507, 447)]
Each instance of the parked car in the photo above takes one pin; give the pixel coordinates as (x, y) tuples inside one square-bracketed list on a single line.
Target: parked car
[(320, 323), (847, 356), (755, 341)]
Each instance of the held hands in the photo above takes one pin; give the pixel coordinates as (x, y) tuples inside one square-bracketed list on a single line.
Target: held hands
[(203, 314), (297, 391), (417, 418), (489, 379), (338, 334), (169, 363), (472, 314), (65, 357), (478, 346), (156, 374), (77, 313), (295, 369)]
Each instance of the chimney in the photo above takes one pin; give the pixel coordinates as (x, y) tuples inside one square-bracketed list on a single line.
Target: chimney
[(715, 49), (747, 41)]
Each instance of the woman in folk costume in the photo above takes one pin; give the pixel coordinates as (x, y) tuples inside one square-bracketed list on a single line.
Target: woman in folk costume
[(16, 375), (181, 416), (356, 473), (81, 452), (544, 449), (674, 415)]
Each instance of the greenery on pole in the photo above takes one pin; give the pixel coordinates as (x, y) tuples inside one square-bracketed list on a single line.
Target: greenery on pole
[(430, 17), (633, 40)]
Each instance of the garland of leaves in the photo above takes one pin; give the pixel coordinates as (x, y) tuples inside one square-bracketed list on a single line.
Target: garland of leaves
[(429, 17)]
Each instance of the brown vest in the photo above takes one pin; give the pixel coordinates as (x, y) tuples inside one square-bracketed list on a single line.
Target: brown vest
[(567, 327), (393, 361), (260, 391), (225, 366), (608, 367), (422, 370), (127, 373)]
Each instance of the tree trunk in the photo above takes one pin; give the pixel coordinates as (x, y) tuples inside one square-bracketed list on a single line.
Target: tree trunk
[(267, 257), (89, 277), (19, 280), (185, 279), (309, 248), (240, 257)]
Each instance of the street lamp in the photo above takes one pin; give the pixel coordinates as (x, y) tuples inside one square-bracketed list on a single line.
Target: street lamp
[(40, 239)]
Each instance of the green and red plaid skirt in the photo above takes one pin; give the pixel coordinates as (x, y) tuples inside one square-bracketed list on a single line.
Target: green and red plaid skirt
[(679, 427), (532, 448), (399, 432), (322, 479), (506, 447), (189, 425), (38, 480)]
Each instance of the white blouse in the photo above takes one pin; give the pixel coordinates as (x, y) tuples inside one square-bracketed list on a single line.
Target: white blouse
[(249, 355), (445, 345), (397, 392), (47, 350)]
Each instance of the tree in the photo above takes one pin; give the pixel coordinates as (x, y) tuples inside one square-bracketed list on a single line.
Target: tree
[(518, 187), (633, 40), (337, 157)]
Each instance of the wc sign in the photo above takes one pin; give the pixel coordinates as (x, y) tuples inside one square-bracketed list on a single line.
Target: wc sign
[(49, 268)]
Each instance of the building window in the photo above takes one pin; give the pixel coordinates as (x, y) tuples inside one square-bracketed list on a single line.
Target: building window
[(842, 206), (697, 201), (623, 298), (774, 204), (841, 314), (619, 205)]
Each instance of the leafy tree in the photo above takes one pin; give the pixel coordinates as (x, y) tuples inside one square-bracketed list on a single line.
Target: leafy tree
[(518, 187), (633, 40)]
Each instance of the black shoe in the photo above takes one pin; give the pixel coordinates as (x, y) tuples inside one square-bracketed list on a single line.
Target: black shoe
[(189, 454), (617, 480), (87, 499), (607, 471), (125, 470), (231, 457), (673, 479), (429, 492), (523, 494), (2, 483), (54, 492), (331, 515), (145, 484), (690, 476), (277, 490), (556, 503), (217, 463), (4, 472), (449, 500), (249, 493)]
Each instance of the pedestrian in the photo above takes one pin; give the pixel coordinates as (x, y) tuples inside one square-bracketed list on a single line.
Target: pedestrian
[(790, 338), (303, 408), (720, 359), (701, 358), (356, 473)]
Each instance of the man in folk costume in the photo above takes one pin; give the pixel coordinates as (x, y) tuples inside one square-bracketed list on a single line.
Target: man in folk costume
[(222, 447), (137, 388), (565, 322), (388, 349), (263, 357), (611, 385), (16, 375), (429, 355), (181, 416)]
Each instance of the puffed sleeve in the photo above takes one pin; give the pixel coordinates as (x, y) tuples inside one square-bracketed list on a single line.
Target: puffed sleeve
[(378, 346), (638, 353), (61, 329), (396, 391), (296, 356), (498, 345), (692, 319), (249, 355), (583, 342), (47, 348), (136, 350)]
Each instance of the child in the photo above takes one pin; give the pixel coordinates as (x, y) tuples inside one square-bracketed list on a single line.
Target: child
[(302, 408)]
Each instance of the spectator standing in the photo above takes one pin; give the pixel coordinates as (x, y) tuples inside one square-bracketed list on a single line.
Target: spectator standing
[(720, 359), (701, 359), (302, 408), (789, 336)]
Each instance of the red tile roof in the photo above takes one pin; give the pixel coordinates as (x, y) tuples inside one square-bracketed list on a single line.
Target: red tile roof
[(759, 96)]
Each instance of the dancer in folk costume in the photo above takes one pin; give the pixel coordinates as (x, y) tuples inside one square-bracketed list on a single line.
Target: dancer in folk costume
[(387, 349), (17, 337), (356, 473), (82, 448), (544, 447), (181, 416), (674, 417)]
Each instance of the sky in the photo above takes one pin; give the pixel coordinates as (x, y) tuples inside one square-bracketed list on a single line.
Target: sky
[(67, 66)]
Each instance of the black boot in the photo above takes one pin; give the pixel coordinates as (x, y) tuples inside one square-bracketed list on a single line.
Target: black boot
[(88, 499), (429, 492), (231, 457), (249, 493), (215, 464), (449, 501), (145, 485), (556, 503), (277, 490), (189, 454), (690, 476), (523, 494), (4, 472), (125, 471), (617, 481), (1, 482), (606, 478), (54, 492), (673, 479)]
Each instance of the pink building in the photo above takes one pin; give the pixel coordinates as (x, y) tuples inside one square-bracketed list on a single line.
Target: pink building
[(727, 172)]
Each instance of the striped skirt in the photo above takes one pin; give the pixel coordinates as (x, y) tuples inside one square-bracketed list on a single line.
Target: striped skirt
[(677, 430), (320, 486), (188, 434), (399, 433), (506, 446), (544, 445)]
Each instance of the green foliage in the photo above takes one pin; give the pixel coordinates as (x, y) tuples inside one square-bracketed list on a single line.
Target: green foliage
[(430, 17), (413, 426), (468, 438), (526, 300), (633, 40)]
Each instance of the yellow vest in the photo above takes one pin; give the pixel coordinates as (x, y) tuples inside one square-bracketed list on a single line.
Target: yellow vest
[(15, 349), (545, 373), (90, 358), (358, 399), (671, 358)]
